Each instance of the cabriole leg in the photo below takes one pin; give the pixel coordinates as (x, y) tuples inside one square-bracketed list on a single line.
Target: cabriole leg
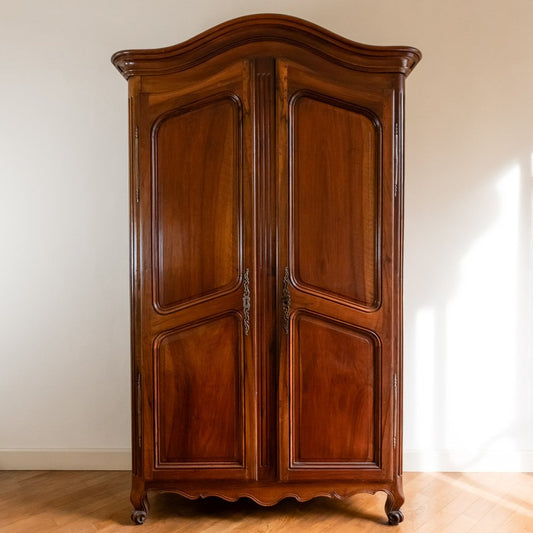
[(395, 499), (139, 500)]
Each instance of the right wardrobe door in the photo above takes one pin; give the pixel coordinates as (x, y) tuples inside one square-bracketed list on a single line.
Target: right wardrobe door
[(337, 269)]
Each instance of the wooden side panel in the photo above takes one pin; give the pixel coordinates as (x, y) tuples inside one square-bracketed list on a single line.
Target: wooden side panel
[(335, 199), (334, 386), (199, 388), (196, 168)]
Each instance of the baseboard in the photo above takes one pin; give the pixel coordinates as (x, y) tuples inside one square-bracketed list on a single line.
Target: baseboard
[(120, 459), (66, 459), (468, 461)]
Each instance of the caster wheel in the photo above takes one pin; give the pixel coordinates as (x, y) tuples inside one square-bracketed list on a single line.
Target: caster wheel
[(138, 517), (395, 517)]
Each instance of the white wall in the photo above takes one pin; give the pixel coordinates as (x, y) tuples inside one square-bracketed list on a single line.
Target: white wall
[(64, 342)]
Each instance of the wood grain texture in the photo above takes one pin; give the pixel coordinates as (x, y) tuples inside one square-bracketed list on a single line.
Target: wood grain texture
[(68, 502), (194, 193), (197, 156), (340, 244), (266, 215), (335, 187), (335, 379), (199, 372)]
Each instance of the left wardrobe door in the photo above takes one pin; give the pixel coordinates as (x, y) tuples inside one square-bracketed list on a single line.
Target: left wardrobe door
[(193, 274)]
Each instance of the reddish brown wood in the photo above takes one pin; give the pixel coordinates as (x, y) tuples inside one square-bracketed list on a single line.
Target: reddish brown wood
[(264, 29), (266, 249), (266, 208), (335, 186), (196, 156), (199, 422), (139, 500), (333, 425)]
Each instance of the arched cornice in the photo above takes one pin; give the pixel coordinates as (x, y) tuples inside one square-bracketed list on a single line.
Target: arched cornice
[(284, 29)]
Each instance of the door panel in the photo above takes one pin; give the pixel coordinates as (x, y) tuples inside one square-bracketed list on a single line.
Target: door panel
[(197, 155), (336, 181), (334, 385), (335, 186), (199, 422), (197, 263)]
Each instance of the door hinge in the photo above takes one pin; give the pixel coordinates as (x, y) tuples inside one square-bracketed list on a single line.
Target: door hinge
[(139, 411), (396, 158), (395, 414), (137, 190)]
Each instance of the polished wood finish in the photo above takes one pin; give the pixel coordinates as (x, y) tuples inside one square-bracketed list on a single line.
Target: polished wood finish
[(330, 426), (266, 202), (335, 186), (77, 502), (191, 146), (198, 421)]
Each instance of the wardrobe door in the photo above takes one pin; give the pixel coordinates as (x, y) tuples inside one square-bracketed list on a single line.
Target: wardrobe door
[(337, 289), (194, 275)]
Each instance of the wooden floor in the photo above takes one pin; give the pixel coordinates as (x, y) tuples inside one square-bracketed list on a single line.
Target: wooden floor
[(80, 502)]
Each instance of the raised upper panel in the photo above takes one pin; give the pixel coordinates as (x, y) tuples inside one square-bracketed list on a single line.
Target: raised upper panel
[(335, 206), (334, 394), (199, 404), (288, 31), (197, 205)]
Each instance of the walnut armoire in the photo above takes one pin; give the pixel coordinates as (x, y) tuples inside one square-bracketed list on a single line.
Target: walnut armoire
[(266, 160)]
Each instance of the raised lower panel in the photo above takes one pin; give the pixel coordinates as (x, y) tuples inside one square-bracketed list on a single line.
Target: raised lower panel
[(199, 390), (197, 204), (334, 395), (335, 199)]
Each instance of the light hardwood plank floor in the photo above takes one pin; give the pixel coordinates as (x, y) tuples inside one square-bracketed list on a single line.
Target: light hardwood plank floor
[(78, 502)]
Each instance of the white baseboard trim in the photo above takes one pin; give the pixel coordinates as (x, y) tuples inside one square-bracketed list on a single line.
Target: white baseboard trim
[(120, 459), (468, 461), (66, 459)]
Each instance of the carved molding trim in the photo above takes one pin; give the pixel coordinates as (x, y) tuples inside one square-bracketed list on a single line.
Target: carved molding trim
[(283, 29), (268, 495), (264, 127)]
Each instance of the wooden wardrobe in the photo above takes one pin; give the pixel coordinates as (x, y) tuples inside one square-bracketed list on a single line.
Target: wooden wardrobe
[(266, 160)]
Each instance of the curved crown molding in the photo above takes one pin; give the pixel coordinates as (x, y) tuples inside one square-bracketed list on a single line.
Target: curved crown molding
[(267, 28)]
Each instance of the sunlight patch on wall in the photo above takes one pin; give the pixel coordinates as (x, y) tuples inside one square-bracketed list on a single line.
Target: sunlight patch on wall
[(481, 333)]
